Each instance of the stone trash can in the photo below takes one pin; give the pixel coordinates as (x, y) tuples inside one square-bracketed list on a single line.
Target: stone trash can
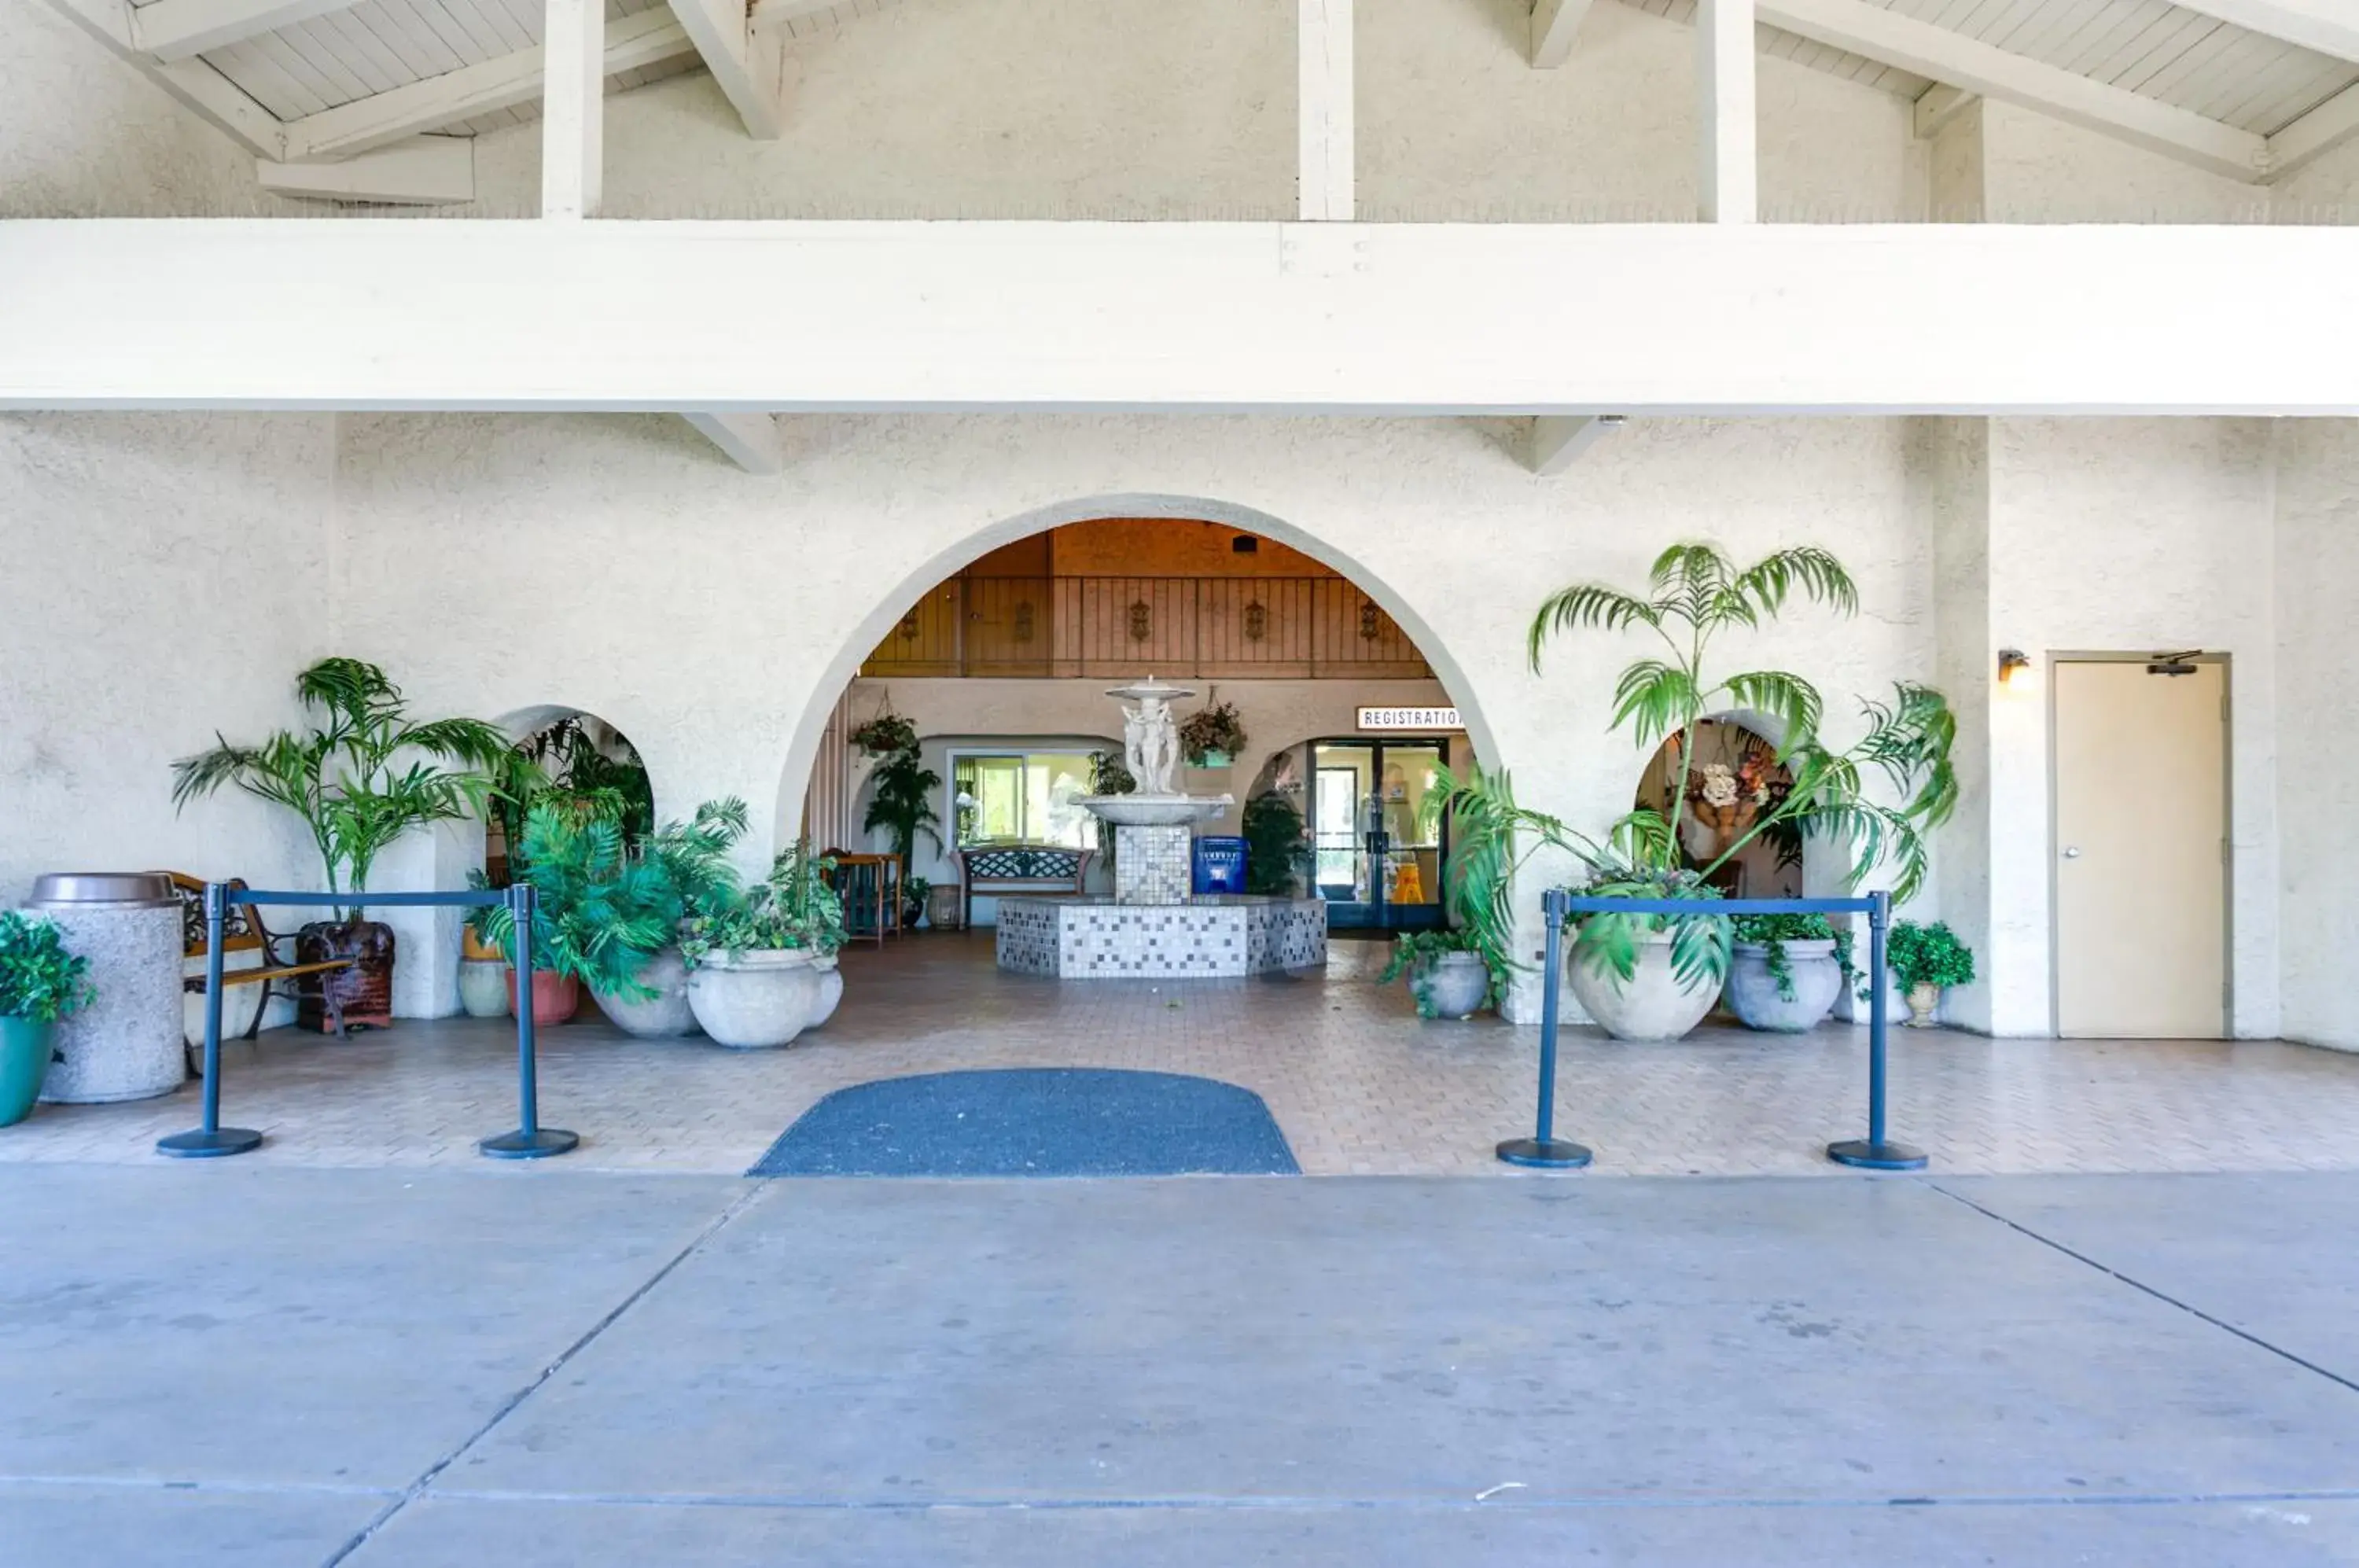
[(127, 1045)]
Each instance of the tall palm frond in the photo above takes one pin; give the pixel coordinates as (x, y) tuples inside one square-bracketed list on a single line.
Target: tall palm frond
[(1807, 569), (1587, 604)]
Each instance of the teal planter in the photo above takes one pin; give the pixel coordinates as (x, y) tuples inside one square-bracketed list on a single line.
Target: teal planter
[(23, 1062)]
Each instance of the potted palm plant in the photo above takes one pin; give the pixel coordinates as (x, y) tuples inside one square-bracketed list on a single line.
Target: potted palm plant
[(1456, 972), (362, 776), (1697, 592), (1278, 850), (694, 860), (600, 915), (40, 983)]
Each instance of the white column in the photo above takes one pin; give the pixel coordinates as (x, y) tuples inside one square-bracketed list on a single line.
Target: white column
[(1727, 190), (572, 140), (1325, 44)]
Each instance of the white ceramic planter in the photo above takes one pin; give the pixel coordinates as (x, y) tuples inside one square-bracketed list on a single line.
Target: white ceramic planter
[(755, 1001), (666, 1016), (1451, 984), (1924, 1007), (1652, 1005), (484, 987), (830, 990), (1814, 976)]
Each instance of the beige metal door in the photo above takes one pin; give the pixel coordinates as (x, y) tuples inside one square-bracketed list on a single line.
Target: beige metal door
[(2141, 850)]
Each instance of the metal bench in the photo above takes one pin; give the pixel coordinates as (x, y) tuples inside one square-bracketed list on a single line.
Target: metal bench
[(1043, 870), (243, 932)]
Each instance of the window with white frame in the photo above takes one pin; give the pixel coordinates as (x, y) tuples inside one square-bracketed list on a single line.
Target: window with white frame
[(1020, 796)]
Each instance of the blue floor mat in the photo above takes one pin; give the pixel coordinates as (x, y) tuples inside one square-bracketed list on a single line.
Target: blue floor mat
[(1034, 1121)]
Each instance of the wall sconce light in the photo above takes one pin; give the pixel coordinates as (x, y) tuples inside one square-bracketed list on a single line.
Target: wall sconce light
[(2011, 659)]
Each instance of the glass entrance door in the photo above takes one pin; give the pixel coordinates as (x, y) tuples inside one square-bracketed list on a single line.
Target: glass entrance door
[(1376, 831)]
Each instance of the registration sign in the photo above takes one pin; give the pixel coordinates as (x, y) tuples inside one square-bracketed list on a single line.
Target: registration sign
[(1409, 719)]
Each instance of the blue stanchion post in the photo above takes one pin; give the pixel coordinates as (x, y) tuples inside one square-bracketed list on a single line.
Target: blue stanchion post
[(212, 1141), (530, 1140), (1543, 1149), (1876, 1152)]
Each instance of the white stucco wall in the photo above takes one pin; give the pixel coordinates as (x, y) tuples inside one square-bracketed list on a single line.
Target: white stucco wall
[(83, 135), (2317, 787), (164, 581), (1453, 122)]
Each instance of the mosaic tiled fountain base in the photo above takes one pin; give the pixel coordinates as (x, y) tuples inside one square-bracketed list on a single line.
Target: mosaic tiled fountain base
[(1096, 939)]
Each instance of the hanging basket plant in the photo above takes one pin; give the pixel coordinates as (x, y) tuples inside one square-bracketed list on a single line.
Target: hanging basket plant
[(1212, 737), (886, 733)]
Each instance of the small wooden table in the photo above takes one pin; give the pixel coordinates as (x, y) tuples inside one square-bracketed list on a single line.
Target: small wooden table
[(870, 887)]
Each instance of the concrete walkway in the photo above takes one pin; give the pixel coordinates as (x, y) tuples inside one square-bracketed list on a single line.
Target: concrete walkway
[(273, 1366)]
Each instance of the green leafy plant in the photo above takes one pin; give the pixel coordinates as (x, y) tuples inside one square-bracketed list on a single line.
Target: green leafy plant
[(347, 778), (1611, 943), (1415, 951), (601, 912), (903, 802), (1109, 775), (1211, 729), (1277, 849), (1773, 931), (793, 909), (1928, 956), (1699, 593), (886, 733), (914, 893), (563, 764), (40, 980)]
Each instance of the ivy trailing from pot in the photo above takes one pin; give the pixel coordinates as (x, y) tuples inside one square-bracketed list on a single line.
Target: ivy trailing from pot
[(40, 983), (1493, 839), (1211, 733), (364, 774), (1786, 989)]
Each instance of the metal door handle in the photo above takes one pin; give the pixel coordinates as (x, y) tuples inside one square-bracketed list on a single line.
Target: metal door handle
[(2072, 853)]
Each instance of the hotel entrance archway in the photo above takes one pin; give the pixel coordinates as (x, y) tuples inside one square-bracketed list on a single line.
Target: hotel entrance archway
[(1378, 835)]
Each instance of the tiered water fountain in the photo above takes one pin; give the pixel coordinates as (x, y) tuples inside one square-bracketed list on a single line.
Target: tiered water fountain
[(1155, 926)]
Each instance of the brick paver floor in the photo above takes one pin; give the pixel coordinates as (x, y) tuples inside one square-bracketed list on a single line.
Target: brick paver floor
[(1356, 1081)]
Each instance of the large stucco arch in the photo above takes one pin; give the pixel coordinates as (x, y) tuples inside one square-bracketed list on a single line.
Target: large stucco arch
[(794, 764)]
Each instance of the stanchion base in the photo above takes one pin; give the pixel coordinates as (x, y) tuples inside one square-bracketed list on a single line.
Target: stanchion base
[(536, 1145), (202, 1145), (1544, 1154), (1877, 1156)]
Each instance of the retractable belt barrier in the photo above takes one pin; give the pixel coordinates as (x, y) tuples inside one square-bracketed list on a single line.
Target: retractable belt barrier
[(530, 1140), (1873, 1152)]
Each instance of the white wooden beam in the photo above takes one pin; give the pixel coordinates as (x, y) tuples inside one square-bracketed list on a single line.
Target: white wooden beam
[(424, 171), (1974, 67), (746, 67), (1325, 44), (1555, 25), (196, 86), (573, 108), (1728, 181), (1938, 105), (2328, 26), (647, 37), (177, 29), (1191, 317), (1558, 440), (751, 440), (2315, 135)]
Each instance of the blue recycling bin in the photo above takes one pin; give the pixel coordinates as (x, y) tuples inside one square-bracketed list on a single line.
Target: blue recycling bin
[(1220, 864)]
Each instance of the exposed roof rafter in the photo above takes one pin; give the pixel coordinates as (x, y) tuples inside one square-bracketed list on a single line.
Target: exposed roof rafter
[(180, 29), (748, 68), (1555, 25), (646, 39), (1963, 62), (2330, 27), (2315, 135), (195, 85)]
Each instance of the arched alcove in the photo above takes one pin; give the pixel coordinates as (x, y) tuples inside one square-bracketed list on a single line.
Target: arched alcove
[(1735, 779), (579, 757)]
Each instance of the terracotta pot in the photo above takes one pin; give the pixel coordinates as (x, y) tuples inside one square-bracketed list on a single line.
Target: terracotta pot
[(554, 996), (473, 948), (365, 990)]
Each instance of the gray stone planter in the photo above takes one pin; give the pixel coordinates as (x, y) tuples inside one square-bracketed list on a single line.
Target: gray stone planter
[(1816, 980), (755, 1001), (1652, 1005), (830, 990), (666, 1016), (484, 987), (1450, 985)]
